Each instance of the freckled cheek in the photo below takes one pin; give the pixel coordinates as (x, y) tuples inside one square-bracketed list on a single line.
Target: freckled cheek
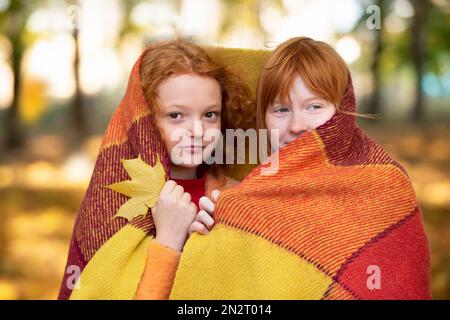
[(313, 120), (322, 118)]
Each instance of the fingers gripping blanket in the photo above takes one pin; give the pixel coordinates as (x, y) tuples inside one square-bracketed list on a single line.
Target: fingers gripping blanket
[(107, 253)]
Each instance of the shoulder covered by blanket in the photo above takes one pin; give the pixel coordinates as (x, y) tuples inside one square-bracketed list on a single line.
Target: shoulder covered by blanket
[(338, 220), (107, 254)]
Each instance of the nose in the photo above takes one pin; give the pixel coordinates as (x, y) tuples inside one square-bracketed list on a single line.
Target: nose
[(196, 130), (297, 124)]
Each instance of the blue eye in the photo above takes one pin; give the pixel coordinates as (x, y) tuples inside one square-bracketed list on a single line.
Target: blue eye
[(281, 109), (314, 107)]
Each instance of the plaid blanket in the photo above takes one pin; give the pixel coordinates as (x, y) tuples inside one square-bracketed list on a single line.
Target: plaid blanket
[(338, 220)]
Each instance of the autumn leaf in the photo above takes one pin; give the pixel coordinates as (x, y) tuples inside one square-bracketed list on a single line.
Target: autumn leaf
[(143, 188)]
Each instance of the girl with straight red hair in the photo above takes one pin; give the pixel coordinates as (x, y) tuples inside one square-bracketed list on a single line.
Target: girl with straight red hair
[(338, 217)]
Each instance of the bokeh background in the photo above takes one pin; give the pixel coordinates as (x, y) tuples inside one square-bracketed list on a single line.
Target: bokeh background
[(64, 67)]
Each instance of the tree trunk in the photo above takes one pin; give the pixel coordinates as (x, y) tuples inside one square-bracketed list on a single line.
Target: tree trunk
[(79, 121), (374, 101), (14, 130), (418, 43)]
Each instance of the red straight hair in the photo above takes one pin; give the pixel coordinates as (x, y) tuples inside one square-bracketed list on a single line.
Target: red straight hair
[(317, 63)]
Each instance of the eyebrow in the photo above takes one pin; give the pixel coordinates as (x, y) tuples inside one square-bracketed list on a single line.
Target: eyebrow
[(284, 101), (312, 98), (182, 106), (287, 101)]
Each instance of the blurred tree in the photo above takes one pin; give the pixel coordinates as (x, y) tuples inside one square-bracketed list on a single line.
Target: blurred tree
[(377, 49), (374, 102), (127, 25), (437, 53), (78, 113), (12, 22), (418, 33), (422, 46)]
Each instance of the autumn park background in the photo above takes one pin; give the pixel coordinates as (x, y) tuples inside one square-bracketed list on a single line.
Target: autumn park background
[(64, 67)]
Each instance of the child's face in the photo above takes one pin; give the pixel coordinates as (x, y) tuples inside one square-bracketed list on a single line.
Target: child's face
[(189, 111), (306, 112)]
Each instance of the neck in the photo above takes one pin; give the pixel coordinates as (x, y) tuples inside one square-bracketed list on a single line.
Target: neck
[(177, 172)]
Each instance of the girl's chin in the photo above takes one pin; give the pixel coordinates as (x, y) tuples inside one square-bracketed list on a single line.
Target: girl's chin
[(186, 165), (189, 161)]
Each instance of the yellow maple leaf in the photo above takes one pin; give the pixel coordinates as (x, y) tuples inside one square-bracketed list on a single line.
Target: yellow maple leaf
[(143, 188)]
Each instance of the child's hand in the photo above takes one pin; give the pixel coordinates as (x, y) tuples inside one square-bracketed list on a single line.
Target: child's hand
[(173, 214), (204, 221)]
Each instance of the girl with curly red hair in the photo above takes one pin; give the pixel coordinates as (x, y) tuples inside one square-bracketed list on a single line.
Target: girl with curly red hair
[(176, 94)]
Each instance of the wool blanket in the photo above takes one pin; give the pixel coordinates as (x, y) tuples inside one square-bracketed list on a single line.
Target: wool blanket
[(339, 219), (107, 252)]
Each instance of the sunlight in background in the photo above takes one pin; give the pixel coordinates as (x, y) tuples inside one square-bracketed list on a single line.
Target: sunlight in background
[(52, 19), (6, 74), (201, 19), (100, 70), (52, 169), (403, 9), (106, 58), (395, 24), (318, 19), (99, 29), (3, 5), (100, 21), (6, 85), (158, 17), (103, 66), (349, 49), (395, 21), (77, 170), (50, 59), (74, 173), (105, 63)]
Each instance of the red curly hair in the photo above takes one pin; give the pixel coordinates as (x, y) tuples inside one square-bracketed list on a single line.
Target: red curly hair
[(177, 57)]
